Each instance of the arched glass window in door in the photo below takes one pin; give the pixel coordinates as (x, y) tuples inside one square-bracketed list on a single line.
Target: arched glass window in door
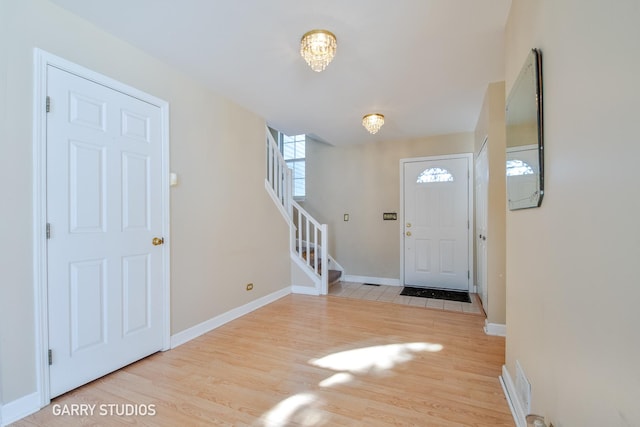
[(434, 175), (517, 167)]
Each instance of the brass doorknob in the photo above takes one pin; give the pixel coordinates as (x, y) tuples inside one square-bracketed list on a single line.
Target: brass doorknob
[(157, 241), (408, 233)]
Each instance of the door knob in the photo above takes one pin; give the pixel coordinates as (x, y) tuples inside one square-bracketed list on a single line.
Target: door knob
[(408, 224), (408, 233), (157, 241)]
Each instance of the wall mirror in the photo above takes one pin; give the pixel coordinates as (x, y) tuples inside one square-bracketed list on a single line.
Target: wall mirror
[(525, 142)]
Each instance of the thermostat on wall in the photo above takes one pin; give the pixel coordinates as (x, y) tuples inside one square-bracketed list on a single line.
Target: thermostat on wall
[(389, 216)]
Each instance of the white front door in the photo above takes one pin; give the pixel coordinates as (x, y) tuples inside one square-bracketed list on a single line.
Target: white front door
[(436, 223), (104, 207), (482, 198)]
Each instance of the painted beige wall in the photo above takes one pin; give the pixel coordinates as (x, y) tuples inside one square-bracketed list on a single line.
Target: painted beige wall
[(218, 238), (491, 124), (523, 134), (572, 277), (364, 181)]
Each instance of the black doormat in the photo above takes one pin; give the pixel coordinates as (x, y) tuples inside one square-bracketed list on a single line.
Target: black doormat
[(436, 294)]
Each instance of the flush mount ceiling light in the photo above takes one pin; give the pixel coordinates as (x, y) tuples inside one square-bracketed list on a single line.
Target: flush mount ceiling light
[(318, 47), (373, 122)]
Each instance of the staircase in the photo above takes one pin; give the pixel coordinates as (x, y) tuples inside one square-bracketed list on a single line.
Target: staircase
[(308, 238)]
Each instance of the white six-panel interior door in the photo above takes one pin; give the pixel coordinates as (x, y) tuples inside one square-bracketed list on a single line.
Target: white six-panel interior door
[(104, 206), (436, 222)]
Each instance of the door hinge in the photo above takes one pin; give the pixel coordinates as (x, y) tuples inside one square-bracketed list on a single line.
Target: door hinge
[(48, 231), (48, 105), (50, 355), (468, 274)]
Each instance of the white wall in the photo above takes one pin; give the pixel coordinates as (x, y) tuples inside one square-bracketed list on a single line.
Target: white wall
[(218, 210), (572, 265)]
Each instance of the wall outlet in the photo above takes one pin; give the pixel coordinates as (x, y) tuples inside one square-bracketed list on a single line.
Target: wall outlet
[(249, 286)]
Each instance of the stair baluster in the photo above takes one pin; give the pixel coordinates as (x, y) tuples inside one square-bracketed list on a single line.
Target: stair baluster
[(308, 237)]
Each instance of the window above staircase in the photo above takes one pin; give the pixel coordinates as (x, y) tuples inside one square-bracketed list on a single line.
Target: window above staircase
[(293, 151)]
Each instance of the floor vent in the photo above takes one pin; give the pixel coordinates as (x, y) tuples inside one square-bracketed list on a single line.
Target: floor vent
[(523, 388)]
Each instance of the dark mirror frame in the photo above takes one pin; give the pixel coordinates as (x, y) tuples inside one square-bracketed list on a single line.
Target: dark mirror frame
[(538, 75), (534, 60)]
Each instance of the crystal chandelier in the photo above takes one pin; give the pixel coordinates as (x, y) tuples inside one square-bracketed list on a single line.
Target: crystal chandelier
[(373, 122), (318, 47)]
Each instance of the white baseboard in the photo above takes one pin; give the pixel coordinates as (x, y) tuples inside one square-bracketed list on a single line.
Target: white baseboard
[(19, 408), (509, 389), (373, 280), (304, 290), (215, 322), (496, 329)]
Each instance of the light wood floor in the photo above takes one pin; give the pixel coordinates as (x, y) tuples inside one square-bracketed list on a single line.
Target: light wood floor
[(313, 361)]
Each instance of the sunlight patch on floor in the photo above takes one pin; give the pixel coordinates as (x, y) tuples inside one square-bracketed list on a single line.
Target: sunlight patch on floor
[(300, 408), (305, 409), (375, 359), (336, 379)]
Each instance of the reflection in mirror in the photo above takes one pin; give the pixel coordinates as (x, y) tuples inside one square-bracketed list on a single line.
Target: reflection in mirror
[(522, 176), (434, 175), (525, 177)]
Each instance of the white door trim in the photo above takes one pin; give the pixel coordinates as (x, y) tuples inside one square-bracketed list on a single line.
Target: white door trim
[(42, 60), (482, 271), (469, 157)]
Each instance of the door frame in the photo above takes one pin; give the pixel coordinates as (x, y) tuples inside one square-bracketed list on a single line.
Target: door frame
[(469, 157), (484, 148), (42, 60)]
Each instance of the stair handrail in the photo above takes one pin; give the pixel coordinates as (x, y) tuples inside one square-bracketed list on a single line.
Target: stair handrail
[(279, 185), (279, 180)]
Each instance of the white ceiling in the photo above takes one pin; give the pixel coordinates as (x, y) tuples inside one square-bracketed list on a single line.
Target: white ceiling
[(424, 64)]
